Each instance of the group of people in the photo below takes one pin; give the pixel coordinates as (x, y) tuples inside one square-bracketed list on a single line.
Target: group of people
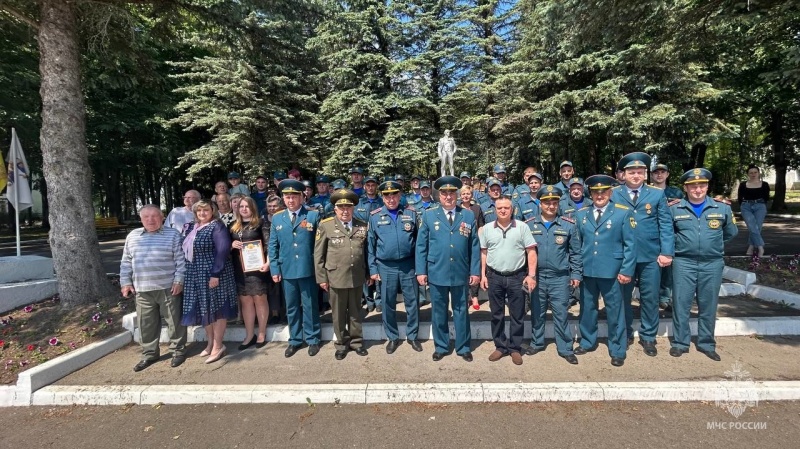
[(350, 246)]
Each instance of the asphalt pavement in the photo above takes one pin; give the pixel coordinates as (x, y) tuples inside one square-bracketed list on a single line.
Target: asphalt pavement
[(565, 425)]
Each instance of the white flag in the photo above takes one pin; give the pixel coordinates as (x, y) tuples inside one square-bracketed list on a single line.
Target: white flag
[(19, 186)]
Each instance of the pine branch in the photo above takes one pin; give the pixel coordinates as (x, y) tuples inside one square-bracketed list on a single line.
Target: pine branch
[(19, 15)]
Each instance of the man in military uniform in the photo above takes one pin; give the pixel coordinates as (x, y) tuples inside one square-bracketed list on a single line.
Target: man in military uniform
[(523, 189), (291, 259), (448, 257), (608, 253), (575, 198), (323, 197), (702, 227), (655, 246), (357, 179), (559, 269), (565, 172), (340, 250), (527, 206), (424, 203), (495, 191), (660, 174), (368, 202), (391, 242), (414, 195), (278, 176), (500, 175)]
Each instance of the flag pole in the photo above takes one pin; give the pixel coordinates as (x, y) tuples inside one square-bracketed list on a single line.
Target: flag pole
[(13, 161)]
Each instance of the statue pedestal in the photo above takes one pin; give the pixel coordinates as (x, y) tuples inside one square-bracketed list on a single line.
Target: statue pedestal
[(24, 280)]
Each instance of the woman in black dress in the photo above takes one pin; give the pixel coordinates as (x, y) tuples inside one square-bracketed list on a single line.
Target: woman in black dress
[(251, 285), (753, 197)]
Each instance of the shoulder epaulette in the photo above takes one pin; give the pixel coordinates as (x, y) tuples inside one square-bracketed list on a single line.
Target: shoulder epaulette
[(584, 208), (376, 211), (530, 219), (655, 187), (410, 207), (325, 220), (674, 202), (616, 186), (721, 199), (568, 219), (620, 206), (280, 212), (433, 206)]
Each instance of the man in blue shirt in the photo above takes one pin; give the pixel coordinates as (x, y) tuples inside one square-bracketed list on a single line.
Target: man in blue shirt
[(357, 176)]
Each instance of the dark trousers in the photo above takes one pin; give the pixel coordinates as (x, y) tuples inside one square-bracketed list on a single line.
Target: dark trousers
[(302, 310), (346, 314), (552, 290), (648, 275), (456, 296), (500, 288)]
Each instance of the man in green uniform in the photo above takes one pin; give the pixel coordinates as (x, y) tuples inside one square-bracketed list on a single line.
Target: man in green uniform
[(340, 252), (659, 176), (702, 226)]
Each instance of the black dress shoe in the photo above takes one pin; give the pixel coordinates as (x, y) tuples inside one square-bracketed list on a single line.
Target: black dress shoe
[(143, 364), (649, 348), (438, 356), (466, 356), (630, 341), (370, 307), (261, 345), (533, 350), (570, 358), (313, 350), (362, 351), (250, 343), (177, 361), (677, 352), (291, 350), (711, 355), (340, 354), (392, 346), (580, 350), (415, 345), (617, 361)]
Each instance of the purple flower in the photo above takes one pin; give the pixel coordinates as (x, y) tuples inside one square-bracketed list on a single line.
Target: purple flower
[(23, 363), (28, 309), (72, 345), (85, 329), (53, 341), (109, 320), (96, 317)]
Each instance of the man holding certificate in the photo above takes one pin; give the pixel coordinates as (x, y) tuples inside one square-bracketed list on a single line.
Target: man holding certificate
[(340, 251)]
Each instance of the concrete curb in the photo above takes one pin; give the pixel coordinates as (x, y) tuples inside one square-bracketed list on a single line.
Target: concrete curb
[(739, 276), (774, 295), (40, 376), (422, 392), (481, 330), (731, 289)]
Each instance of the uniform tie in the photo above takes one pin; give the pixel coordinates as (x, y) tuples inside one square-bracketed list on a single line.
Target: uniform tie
[(598, 214), (635, 196), (347, 228), (294, 217), (450, 217)]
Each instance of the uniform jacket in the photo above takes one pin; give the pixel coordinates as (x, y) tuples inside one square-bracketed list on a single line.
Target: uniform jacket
[(558, 248), (341, 257), (702, 237), (654, 233), (608, 248), (391, 240), (291, 247), (567, 207), (448, 254), (365, 206)]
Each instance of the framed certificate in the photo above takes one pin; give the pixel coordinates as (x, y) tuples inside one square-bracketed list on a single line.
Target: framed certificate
[(252, 255)]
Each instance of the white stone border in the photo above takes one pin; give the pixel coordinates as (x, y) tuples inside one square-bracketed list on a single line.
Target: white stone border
[(739, 276), (774, 295), (58, 395), (481, 330), (29, 381)]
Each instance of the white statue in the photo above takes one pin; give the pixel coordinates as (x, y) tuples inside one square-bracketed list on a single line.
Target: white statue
[(447, 149)]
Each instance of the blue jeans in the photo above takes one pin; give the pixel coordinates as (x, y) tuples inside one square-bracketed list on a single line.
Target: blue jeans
[(754, 214)]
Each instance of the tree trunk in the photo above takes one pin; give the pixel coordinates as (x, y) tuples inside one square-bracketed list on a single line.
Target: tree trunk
[(779, 160), (73, 239)]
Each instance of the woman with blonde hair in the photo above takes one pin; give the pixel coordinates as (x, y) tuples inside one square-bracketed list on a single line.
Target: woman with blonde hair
[(209, 295), (251, 285)]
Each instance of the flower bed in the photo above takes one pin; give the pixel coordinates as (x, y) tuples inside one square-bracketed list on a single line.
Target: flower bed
[(39, 332), (779, 272)]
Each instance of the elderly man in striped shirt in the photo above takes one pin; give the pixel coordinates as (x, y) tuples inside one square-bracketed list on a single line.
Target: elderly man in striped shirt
[(152, 268)]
